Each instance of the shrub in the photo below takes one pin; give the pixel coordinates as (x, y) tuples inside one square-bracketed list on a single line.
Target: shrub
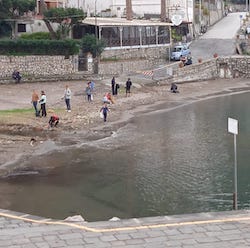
[(39, 47), (36, 36), (93, 45)]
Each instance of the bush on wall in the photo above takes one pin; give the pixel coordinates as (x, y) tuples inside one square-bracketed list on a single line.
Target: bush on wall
[(38, 47), (36, 36)]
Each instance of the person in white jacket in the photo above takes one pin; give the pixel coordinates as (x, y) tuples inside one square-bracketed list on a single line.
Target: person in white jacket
[(42, 102), (67, 97)]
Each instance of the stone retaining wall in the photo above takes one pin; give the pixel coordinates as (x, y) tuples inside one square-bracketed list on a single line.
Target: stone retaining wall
[(131, 60), (128, 66), (158, 52), (37, 65), (222, 67), (55, 68), (196, 72), (234, 67)]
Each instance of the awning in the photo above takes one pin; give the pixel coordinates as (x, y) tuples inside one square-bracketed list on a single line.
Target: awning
[(118, 22)]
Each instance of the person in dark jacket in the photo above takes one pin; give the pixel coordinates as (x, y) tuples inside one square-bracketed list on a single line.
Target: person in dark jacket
[(16, 76), (117, 87), (104, 111), (173, 88), (113, 84), (128, 87)]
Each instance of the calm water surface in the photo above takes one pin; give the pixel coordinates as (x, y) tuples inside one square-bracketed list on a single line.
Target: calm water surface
[(162, 163)]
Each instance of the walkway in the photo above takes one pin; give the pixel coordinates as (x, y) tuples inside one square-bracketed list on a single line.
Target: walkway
[(205, 230)]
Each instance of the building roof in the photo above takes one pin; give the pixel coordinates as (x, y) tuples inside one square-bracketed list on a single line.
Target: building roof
[(112, 22)]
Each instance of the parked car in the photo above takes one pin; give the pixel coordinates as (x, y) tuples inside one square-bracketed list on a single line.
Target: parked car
[(178, 51)]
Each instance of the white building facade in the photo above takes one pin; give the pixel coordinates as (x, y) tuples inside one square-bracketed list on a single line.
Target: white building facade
[(139, 7)]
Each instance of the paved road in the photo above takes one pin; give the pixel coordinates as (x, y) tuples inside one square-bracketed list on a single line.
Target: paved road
[(218, 39), (205, 230)]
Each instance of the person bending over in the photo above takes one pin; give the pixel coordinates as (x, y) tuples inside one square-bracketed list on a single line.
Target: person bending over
[(53, 121)]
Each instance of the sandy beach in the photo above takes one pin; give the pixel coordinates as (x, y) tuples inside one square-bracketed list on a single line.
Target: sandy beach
[(18, 128)]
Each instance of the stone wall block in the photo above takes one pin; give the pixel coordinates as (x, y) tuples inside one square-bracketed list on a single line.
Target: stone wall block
[(36, 65)]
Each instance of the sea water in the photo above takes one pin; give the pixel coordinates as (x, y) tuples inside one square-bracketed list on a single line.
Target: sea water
[(162, 162)]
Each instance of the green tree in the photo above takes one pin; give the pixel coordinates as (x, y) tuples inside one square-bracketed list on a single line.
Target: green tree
[(15, 8), (93, 45), (11, 10), (5, 29), (90, 43), (66, 17)]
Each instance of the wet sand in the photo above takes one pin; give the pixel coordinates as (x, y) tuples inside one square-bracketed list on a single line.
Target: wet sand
[(84, 123)]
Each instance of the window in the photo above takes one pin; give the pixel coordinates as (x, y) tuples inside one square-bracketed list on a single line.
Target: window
[(21, 28)]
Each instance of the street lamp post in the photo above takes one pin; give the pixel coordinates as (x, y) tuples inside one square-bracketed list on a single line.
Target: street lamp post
[(200, 12), (95, 23), (96, 38), (209, 16)]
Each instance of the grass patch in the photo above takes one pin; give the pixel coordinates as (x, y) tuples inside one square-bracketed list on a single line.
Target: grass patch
[(24, 111), (15, 111), (24, 116), (15, 116)]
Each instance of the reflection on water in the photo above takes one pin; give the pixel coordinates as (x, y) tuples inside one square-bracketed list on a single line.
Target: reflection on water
[(163, 163)]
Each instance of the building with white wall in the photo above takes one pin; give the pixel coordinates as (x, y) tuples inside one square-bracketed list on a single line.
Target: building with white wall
[(139, 7), (189, 11), (184, 8), (118, 7)]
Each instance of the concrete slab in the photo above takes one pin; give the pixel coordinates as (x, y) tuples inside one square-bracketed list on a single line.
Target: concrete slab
[(216, 229)]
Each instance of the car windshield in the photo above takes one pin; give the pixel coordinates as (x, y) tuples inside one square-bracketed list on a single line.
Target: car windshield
[(177, 49)]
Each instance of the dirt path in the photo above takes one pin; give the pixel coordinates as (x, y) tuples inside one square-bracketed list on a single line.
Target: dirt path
[(17, 129)]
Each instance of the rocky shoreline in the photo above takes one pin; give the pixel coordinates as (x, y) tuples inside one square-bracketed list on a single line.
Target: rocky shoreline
[(17, 130)]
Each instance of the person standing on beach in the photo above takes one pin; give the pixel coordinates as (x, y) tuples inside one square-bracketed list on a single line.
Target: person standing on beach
[(42, 102), (105, 111), (113, 86), (88, 92), (67, 97), (117, 86), (92, 87), (34, 101), (128, 87)]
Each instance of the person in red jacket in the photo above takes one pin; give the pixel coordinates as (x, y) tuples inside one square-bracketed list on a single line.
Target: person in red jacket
[(53, 121)]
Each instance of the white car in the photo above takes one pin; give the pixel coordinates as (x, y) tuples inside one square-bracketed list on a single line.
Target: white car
[(178, 51)]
